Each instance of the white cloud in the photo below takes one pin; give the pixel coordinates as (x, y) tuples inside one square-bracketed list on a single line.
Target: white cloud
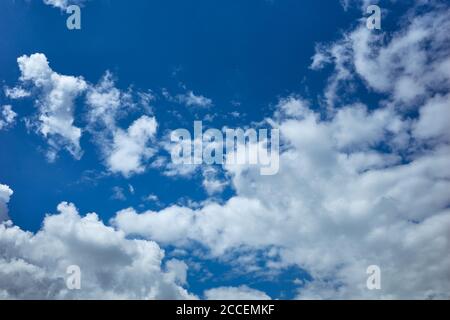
[(118, 194), (33, 266), (7, 117), (329, 213), (192, 100), (125, 151), (151, 198), (130, 150), (5, 195), (56, 103), (106, 103), (212, 183), (293, 107), (235, 293), (409, 65), (355, 127), (355, 188), (16, 93), (363, 4), (63, 4), (434, 119)]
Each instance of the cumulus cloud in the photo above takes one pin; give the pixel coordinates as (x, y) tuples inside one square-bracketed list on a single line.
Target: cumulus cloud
[(56, 104), (5, 194), (125, 151), (130, 149), (113, 266), (330, 213), (235, 293), (34, 266), (358, 187), (7, 117)]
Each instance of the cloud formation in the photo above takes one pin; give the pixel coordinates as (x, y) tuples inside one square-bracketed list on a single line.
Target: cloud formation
[(34, 266), (56, 104), (123, 151), (408, 65), (130, 151), (63, 4), (358, 187), (7, 117), (5, 195)]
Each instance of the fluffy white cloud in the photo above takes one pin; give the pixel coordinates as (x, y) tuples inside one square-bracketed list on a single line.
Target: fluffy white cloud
[(212, 183), (106, 103), (130, 149), (359, 187), (33, 266), (330, 214), (112, 265), (434, 119), (235, 293), (56, 103), (124, 151), (410, 64), (5, 194), (7, 117)]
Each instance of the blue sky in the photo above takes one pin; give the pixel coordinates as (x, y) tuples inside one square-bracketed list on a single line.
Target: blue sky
[(249, 60), (248, 53)]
